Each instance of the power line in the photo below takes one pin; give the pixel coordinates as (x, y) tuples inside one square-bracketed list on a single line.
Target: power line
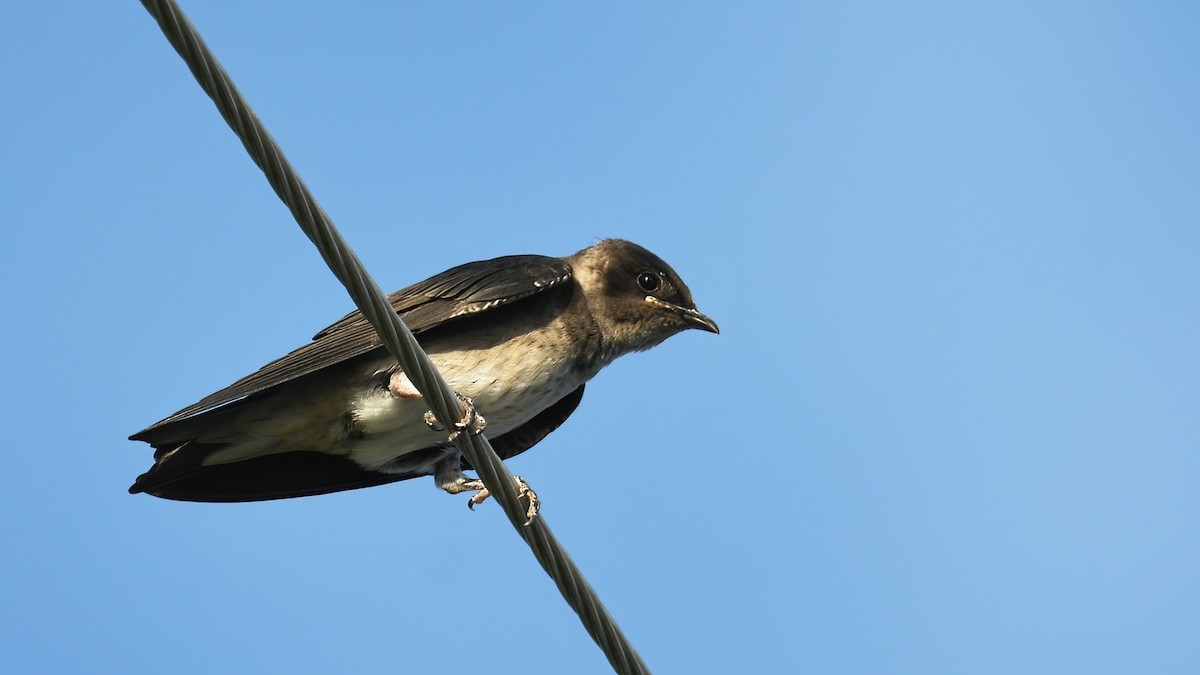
[(395, 335)]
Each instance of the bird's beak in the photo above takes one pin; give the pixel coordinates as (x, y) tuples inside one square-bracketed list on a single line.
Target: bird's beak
[(692, 316), (700, 321)]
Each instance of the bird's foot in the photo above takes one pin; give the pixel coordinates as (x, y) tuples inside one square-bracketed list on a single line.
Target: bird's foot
[(471, 422), (449, 476), (532, 503), (461, 484)]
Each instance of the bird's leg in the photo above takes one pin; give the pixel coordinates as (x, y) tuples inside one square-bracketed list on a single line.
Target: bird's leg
[(471, 422), (532, 503), (449, 477)]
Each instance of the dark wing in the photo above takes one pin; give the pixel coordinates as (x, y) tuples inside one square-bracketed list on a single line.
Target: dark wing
[(306, 473), (460, 292)]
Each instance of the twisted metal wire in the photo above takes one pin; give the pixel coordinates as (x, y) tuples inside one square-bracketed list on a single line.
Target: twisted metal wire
[(395, 335)]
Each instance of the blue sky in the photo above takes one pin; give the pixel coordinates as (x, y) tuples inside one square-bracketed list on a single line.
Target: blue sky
[(950, 425)]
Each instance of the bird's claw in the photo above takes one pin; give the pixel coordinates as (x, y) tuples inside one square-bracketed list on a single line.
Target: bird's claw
[(532, 503), (471, 422)]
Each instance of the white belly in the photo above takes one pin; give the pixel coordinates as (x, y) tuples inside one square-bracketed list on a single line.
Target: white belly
[(508, 386)]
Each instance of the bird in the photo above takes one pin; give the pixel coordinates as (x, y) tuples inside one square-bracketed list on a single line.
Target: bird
[(518, 337)]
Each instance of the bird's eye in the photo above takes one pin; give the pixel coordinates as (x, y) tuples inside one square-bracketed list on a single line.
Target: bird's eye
[(649, 282)]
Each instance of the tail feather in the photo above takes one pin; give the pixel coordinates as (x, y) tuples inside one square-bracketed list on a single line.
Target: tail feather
[(180, 474)]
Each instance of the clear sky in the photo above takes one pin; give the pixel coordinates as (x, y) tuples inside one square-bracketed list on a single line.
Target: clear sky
[(951, 425)]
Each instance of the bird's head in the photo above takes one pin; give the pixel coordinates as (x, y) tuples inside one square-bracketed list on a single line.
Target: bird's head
[(637, 299)]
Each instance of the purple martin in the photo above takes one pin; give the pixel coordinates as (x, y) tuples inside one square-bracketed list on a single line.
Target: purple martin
[(519, 335)]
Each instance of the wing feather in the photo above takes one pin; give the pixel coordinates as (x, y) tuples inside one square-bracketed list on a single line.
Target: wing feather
[(456, 293)]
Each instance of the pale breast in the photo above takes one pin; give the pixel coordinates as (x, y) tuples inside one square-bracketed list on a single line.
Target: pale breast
[(509, 383)]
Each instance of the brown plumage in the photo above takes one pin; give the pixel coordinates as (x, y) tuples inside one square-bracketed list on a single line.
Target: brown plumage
[(520, 335)]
